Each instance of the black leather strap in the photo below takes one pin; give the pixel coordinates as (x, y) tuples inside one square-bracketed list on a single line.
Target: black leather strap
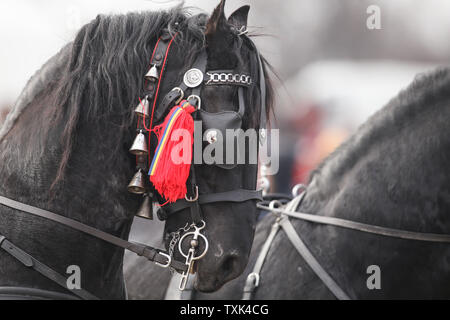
[(148, 252), (262, 90), (30, 262), (169, 100), (238, 195), (172, 96), (158, 61), (23, 293)]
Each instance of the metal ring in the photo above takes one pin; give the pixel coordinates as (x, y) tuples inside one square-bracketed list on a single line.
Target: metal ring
[(296, 188), (194, 257), (190, 199), (273, 203), (181, 94), (199, 100), (243, 30)]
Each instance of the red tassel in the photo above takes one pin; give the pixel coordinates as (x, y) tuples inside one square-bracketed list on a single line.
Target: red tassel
[(170, 178)]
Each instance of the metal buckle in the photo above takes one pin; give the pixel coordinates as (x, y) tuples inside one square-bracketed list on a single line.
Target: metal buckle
[(196, 233), (190, 199), (181, 94), (297, 188), (253, 277), (199, 100), (169, 260)]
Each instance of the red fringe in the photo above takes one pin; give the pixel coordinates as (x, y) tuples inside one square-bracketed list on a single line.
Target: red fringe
[(170, 178)]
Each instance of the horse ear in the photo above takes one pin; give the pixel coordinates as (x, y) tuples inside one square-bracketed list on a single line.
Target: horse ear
[(239, 18), (217, 19)]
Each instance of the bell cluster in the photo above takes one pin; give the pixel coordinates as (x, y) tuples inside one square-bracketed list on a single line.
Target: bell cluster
[(139, 148)]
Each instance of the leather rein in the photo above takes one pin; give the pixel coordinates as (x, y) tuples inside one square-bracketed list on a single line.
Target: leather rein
[(284, 210)]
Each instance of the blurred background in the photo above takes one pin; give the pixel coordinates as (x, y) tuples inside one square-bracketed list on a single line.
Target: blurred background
[(335, 70)]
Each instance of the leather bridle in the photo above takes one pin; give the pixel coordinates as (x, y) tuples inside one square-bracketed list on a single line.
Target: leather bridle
[(194, 197), (193, 200), (288, 209)]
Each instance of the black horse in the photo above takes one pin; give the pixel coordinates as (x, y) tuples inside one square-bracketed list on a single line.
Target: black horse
[(393, 172), (64, 148)]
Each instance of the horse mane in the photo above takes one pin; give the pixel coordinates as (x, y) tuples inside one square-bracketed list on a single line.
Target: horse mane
[(100, 73), (423, 93)]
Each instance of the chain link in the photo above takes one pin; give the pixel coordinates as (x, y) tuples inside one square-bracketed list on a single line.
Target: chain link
[(228, 78), (175, 238)]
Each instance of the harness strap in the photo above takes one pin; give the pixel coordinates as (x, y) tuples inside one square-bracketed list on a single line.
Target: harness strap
[(238, 195), (196, 213), (262, 89), (252, 281), (23, 293), (30, 262), (148, 252), (311, 260), (382, 231)]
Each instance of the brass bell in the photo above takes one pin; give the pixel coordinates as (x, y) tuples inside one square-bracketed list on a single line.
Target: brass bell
[(143, 108), (146, 210), (139, 146), (137, 184), (152, 74)]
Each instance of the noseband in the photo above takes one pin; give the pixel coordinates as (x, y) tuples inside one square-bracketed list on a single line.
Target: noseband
[(193, 81)]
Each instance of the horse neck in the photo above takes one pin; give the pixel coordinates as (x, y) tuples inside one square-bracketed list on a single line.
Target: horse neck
[(393, 173), (92, 191)]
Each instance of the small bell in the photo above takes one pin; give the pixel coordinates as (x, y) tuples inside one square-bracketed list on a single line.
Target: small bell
[(139, 146), (143, 108), (152, 74), (137, 184), (146, 210)]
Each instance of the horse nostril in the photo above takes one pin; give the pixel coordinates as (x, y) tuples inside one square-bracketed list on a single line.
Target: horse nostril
[(230, 267)]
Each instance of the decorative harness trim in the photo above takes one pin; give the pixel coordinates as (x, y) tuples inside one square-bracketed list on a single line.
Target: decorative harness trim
[(228, 77)]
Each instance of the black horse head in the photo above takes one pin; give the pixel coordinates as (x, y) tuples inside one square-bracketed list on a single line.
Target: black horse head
[(64, 147), (229, 225)]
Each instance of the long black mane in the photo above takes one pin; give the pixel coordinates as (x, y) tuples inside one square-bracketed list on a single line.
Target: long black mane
[(107, 61), (100, 72)]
